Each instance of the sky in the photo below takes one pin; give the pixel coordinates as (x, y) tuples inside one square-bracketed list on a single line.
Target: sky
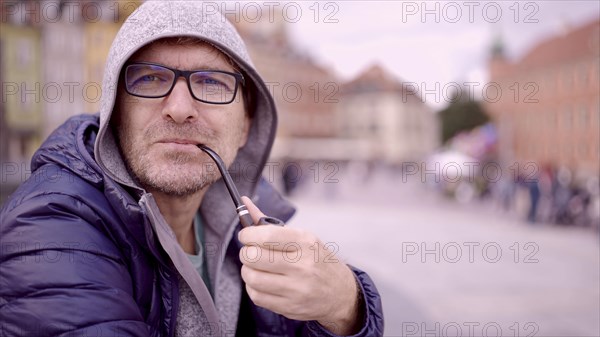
[(425, 42)]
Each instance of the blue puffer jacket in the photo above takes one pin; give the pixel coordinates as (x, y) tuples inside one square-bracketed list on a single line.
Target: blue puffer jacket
[(79, 257)]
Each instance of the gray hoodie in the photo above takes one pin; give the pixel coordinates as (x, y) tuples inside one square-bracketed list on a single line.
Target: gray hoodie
[(160, 19)]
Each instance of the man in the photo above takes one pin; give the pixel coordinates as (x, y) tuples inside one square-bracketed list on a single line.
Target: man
[(125, 227)]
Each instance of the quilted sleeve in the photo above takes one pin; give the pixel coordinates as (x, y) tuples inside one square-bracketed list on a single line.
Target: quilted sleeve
[(61, 275)]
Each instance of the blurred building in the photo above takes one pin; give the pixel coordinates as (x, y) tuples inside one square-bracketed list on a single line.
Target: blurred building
[(98, 38), (306, 93), (22, 101), (53, 55), (320, 118), (549, 109), (63, 64), (384, 120)]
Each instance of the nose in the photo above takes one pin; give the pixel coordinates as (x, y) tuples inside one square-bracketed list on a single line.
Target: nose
[(179, 104)]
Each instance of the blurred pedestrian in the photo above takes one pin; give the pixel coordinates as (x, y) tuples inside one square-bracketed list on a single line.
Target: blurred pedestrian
[(534, 198)]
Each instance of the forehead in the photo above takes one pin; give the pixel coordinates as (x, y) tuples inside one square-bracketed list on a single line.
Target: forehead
[(189, 56)]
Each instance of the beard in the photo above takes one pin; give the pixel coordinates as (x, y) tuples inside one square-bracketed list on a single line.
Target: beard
[(173, 173)]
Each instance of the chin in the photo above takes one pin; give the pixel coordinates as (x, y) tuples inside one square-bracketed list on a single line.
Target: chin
[(177, 179)]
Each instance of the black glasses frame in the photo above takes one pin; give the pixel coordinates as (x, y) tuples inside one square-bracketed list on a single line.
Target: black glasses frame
[(239, 78)]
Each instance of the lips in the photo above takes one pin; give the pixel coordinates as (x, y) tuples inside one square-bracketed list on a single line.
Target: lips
[(179, 145), (180, 141)]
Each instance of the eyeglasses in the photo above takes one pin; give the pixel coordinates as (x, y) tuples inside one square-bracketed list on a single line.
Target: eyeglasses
[(151, 80)]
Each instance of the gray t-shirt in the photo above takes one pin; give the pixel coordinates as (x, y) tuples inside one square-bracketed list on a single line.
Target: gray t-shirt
[(199, 259), (191, 320)]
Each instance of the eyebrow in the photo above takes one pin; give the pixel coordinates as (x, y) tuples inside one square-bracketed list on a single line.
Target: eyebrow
[(207, 67), (227, 67)]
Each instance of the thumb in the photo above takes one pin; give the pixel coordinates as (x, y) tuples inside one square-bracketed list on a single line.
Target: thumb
[(255, 213)]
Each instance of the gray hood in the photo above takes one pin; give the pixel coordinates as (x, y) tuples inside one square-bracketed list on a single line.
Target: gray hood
[(218, 212), (185, 19)]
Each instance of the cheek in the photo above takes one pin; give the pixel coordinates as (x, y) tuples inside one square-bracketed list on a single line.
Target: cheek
[(121, 117), (121, 124), (232, 137), (246, 131), (241, 131), (130, 119), (233, 125)]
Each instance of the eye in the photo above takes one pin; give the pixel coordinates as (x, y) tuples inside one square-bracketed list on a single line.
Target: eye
[(213, 81), (207, 80), (149, 78), (147, 75)]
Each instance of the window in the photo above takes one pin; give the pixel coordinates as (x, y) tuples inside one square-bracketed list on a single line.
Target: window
[(24, 52), (531, 147), (583, 149), (567, 78), (549, 83), (567, 149), (567, 117), (593, 72), (583, 116), (552, 119), (583, 75)]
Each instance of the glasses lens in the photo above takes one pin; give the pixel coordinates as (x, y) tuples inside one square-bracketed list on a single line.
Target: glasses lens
[(148, 80), (213, 86)]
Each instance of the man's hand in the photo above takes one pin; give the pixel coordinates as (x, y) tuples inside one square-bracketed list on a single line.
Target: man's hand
[(289, 271)]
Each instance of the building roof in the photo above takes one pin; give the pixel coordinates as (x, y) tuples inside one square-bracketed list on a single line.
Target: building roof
[(578, 43), (374, 78), (378, 79)]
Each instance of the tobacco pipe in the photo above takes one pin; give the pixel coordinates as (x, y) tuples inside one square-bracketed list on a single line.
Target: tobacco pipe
[(240, 208)]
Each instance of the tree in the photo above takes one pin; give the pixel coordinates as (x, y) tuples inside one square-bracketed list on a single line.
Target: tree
[(461, 115)]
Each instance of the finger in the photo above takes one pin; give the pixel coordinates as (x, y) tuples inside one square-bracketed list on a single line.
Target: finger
[(255, 212), (266, 282), (265, 300), (273, 261), (288, 238), (263, 259), (279, 304), (263, 234)]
